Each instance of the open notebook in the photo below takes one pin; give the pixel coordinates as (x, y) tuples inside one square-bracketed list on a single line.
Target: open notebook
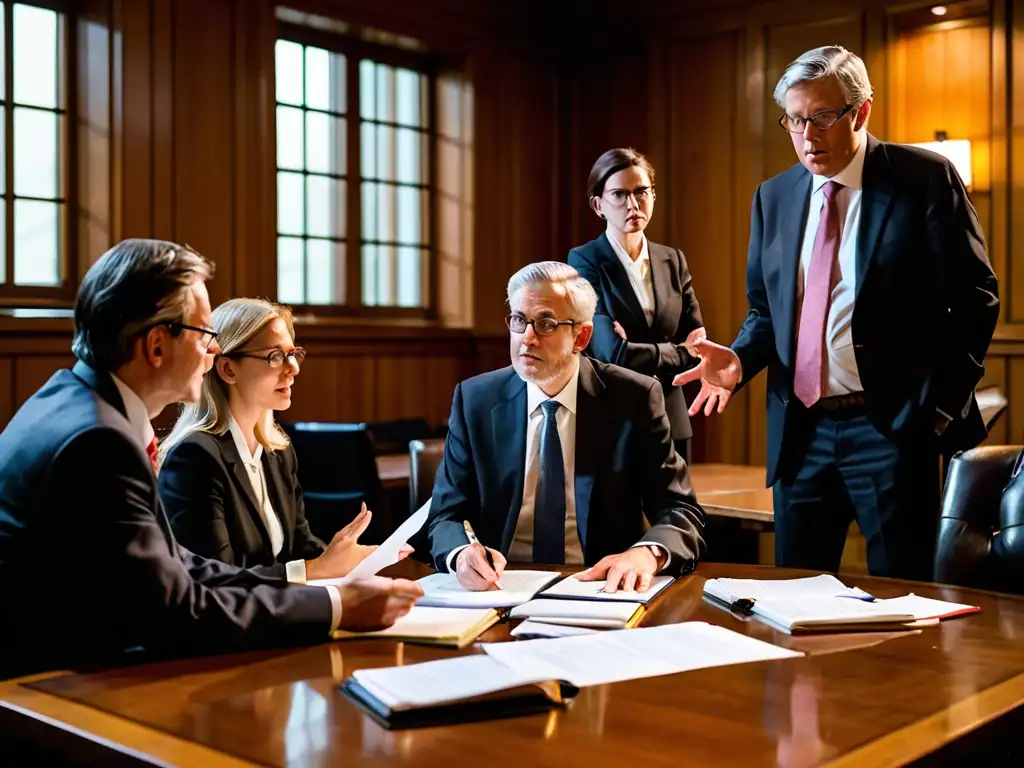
[(444, 591), (574, 589), (581, 613), (452, 627), (463, 689)]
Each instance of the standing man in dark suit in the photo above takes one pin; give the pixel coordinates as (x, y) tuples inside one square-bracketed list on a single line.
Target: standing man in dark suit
[(558, 458), (647, 315), (872, 304), (88, 565)]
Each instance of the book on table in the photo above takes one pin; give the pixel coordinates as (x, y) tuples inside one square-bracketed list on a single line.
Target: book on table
[(580, 613), (428, 625)]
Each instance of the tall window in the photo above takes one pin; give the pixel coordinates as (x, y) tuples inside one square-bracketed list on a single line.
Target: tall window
[(355, 143), (33, 180)]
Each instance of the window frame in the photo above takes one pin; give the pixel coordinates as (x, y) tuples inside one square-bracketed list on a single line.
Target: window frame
[(355, 50), (12, 295)]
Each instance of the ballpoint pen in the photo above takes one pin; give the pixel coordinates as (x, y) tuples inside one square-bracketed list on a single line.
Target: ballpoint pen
[(471, 535)]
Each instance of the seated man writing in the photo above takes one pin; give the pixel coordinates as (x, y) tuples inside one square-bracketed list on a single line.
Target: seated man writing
[(558, 458)]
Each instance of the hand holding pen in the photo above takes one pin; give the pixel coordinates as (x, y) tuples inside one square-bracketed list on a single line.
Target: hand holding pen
[(478, 568)]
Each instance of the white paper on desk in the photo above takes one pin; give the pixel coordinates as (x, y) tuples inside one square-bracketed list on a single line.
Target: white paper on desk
[(444, 590), (572, 587), (926, 607), (825, 585), (530, 628), (628, 654), (384, 555), (434, 682)]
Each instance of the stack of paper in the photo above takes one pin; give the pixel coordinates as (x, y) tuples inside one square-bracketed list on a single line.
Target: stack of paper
[(574, 589), (581, 613)]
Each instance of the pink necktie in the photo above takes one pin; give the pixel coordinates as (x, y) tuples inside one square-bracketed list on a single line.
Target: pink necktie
[(810, 342)]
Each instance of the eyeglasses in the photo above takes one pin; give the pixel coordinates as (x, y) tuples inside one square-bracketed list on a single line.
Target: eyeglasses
[(619, 197), (274, 358), (542, 326), (822, 120), (177, 328)]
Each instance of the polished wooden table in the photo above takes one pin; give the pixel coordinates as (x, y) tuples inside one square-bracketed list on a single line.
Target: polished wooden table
[(876, 699)]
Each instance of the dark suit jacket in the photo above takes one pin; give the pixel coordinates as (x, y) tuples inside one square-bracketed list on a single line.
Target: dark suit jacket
[(214, 512), (626, 467), (649, 349), (88, 564), (926, 300)]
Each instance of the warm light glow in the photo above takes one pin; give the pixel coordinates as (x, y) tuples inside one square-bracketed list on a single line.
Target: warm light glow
[(939, 10), (958, 151)]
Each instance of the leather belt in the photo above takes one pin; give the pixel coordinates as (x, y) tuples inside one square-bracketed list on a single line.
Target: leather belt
[(840, 406)]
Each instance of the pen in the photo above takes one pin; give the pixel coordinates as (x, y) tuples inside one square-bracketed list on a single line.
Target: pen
[(471, 535)]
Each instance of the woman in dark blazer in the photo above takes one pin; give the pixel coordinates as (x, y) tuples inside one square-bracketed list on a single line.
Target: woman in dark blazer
[(227, 475), (647, 314)]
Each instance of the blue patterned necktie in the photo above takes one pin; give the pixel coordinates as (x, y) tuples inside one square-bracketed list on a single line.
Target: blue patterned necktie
[(549, 504)]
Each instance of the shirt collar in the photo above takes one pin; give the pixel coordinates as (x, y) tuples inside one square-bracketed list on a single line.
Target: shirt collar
[(567, 397), (241, 445), (627, 262), (852, 175), (136, 412)]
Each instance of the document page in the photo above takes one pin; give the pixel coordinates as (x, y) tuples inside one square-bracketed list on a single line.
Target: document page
[(517, 587), (826, 585), (384, 555), (437, 682), (629, 654), (531, 628), (926, 607), (425, 621), (588, 610), (594, 590)]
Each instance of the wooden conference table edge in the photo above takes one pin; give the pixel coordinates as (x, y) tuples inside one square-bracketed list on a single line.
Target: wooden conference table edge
[(40, 717)]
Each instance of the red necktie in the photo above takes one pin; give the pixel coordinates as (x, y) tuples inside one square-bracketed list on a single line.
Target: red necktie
[(151, 452), (810, 340)]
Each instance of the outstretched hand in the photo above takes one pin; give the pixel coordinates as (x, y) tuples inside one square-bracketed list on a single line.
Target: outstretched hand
[(719, 372)]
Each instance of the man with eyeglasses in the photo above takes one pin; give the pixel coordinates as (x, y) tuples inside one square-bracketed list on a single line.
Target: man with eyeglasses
[(558, 458), (89, 566), (872, 304)]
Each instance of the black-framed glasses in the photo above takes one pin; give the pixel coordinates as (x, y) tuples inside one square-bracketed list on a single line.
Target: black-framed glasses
[(542, 326), (619, 197), (275, 358), (822, 120), (177, 328)]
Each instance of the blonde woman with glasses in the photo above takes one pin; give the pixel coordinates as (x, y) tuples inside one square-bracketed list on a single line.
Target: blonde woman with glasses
[(227, 473), (647, 314)]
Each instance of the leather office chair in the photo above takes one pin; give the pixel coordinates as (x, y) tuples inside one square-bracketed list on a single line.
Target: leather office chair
[(424, 459), (981, 531), (338, 471)]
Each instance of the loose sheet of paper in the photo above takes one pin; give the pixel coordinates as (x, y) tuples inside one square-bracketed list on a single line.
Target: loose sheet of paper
[(586, 613), (628, 654), (925, 607), (442, 589), (384, 555), (594, 590), (435, 682), (531, 628), (826, 585)]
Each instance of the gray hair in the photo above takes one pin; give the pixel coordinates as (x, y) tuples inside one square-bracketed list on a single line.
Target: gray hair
[(582, 297), (827, 61), (134, 286)]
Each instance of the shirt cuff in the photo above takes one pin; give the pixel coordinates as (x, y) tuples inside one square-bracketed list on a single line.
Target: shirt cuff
[(335, 595), (451, 557), (295, 572), (660, 548)]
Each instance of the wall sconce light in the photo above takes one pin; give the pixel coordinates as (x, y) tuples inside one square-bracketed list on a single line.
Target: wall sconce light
[(957, 151)]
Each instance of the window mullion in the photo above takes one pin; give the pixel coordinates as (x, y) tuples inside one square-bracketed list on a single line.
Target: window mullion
[(353, 198)]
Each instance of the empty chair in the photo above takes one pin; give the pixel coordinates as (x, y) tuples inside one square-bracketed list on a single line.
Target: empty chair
[(337, 469), (424, 458), (981, 531)]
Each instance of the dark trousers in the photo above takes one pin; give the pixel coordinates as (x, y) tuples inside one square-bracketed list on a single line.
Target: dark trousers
[(843, 469)]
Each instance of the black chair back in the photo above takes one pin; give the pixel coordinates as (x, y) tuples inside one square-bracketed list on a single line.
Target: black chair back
[(981, 531), (424, 459), (338, 471)]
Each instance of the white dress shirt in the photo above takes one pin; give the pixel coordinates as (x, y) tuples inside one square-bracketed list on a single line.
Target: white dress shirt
[(138, 418), (639, 273), (521, 549), (295, 570), (840, 364)]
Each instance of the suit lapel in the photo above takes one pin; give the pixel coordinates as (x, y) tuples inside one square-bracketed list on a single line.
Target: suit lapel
[(508, 430), (587, 449), (794, 218), (876, 204), (229, 452), (667, 300), (619, 279)]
